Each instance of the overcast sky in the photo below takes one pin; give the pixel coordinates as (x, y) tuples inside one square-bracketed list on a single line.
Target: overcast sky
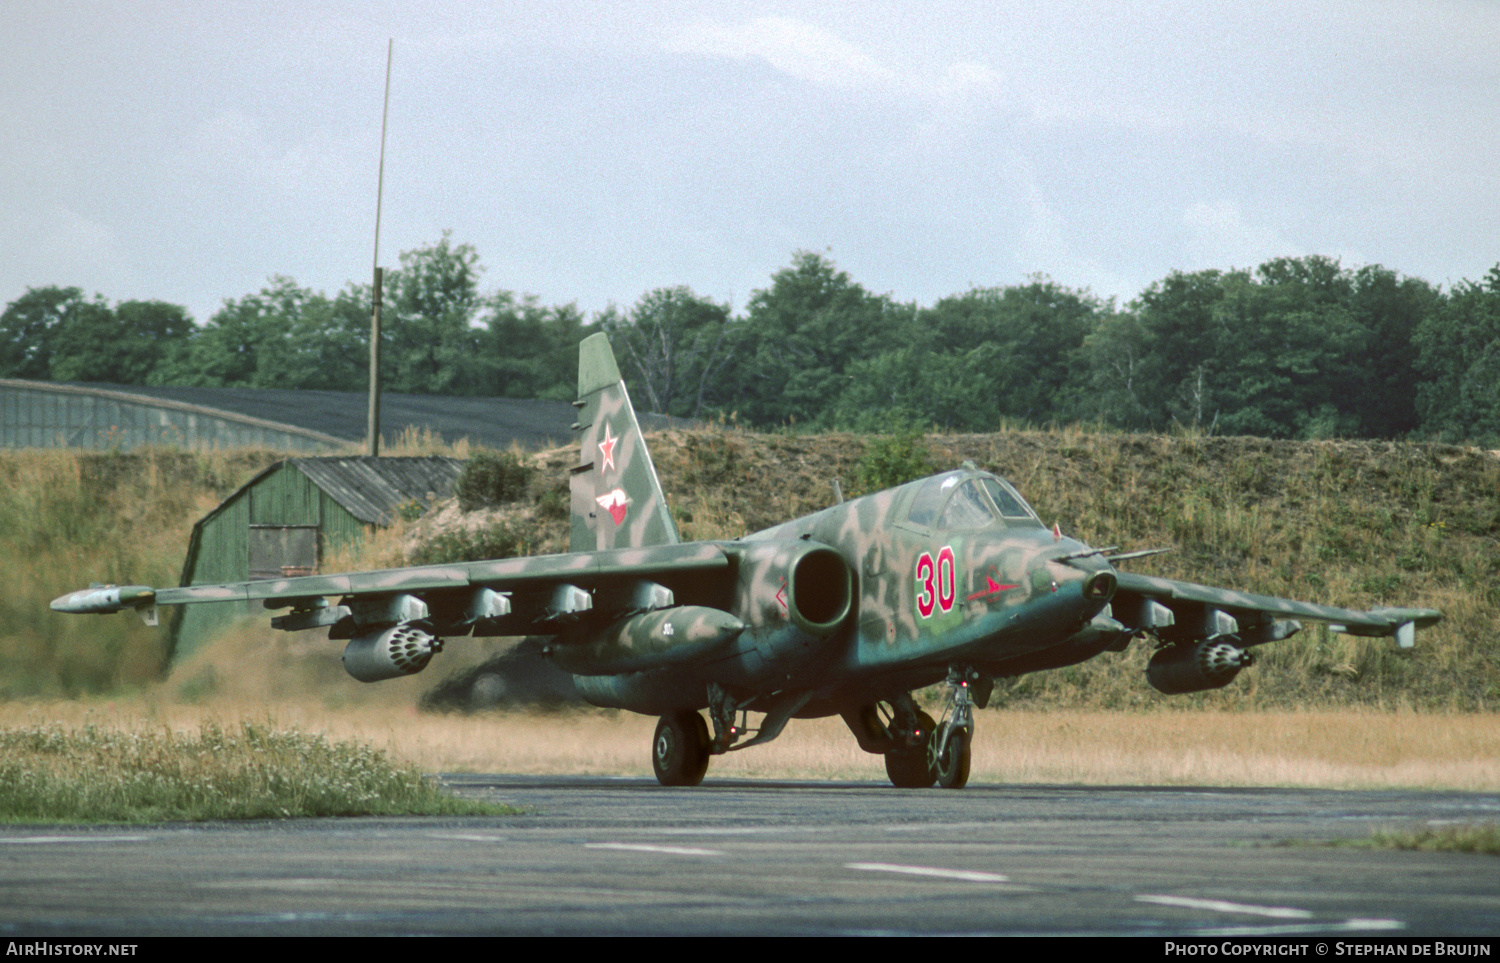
[(593, 151)]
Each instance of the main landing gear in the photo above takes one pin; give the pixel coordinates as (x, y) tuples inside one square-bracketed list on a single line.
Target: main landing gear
[(931, 751), (909, 766), (682, 746), (919, 751), (680, 751)]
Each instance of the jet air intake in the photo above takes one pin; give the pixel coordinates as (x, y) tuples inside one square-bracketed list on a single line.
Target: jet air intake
[(803, 582), (795, 597), (389, 654)]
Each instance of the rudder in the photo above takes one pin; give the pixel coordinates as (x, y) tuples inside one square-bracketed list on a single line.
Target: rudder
[(616, 497)]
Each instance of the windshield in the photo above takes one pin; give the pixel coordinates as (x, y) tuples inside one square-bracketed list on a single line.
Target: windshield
[(1008, 500), (953, 502), (968, 508)]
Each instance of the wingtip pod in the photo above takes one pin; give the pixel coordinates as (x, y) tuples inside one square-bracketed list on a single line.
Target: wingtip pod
[(1421, 618), (103, 599), (1401, 624)]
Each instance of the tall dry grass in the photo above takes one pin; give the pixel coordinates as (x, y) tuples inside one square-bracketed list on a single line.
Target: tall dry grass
[(1342, 749), (152, 773), (70, 518)]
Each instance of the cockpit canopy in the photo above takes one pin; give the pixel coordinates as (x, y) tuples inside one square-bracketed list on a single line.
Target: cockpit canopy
[(966, 500)]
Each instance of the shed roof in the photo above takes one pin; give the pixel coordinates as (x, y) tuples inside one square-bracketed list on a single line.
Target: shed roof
[(373, 488)]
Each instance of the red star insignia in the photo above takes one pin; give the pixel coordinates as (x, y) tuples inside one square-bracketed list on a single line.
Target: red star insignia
[(607, 447)]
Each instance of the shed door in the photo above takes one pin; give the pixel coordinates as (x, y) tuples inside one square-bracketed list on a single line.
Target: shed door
[(283, 551)]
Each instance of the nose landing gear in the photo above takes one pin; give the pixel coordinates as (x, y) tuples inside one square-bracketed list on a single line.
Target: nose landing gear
[(929, 751), (953, 737)]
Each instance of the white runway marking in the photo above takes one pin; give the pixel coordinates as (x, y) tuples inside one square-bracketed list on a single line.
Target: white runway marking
[(969, 876), (1220, 906), (304, 882), (734, 831), (649, 848), (43, 840), (464, 838), (1297, 929)]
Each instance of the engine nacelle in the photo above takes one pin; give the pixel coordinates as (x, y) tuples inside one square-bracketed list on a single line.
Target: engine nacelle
[(1196, 666), (650, 640), (389, 654), (804, 582), (792, 595)]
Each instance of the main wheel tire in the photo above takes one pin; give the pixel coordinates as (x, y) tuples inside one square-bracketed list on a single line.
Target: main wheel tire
[(679, 752), (952, 765), (910, 767)]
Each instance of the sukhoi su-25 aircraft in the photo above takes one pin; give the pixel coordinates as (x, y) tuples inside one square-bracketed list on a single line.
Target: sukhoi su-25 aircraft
[(950, 580)]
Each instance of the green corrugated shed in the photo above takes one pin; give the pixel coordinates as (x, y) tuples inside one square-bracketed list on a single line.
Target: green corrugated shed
[(288, 518)]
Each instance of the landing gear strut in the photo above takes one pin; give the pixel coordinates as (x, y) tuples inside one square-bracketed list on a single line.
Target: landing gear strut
[(680, 751), (938, 752), (909, 764), (953, 737), (910, 767)]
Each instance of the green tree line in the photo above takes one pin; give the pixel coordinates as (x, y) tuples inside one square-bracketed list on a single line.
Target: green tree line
[(1295, 348)]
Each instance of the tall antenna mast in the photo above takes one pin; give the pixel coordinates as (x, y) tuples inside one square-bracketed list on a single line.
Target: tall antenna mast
[(373, 427)]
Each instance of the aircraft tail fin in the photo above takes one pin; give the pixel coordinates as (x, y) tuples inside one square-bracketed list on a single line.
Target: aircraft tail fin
[(616, 497)]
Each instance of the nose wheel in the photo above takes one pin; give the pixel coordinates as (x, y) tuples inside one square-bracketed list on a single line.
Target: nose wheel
[(953, 736), (680, 749), (951, 763)]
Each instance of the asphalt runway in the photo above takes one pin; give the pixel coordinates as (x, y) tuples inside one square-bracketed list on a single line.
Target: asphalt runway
[(596, 856)]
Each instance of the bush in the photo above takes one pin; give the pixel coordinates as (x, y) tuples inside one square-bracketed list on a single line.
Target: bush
[(500, 540), (49, 774), (491, 479), (555, 503), (892, 460)]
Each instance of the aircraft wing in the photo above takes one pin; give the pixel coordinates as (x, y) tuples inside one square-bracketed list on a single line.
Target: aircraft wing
[(1184, 608), (513, 596)]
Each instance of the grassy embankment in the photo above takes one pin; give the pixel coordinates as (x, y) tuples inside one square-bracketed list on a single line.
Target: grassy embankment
[(55, 774), (1355, 524), (1348, 523)]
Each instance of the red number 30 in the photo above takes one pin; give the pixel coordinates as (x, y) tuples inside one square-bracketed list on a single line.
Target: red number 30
[(937, 583)]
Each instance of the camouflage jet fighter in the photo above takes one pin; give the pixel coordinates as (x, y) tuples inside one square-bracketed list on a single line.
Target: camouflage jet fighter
[(952, 579)]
